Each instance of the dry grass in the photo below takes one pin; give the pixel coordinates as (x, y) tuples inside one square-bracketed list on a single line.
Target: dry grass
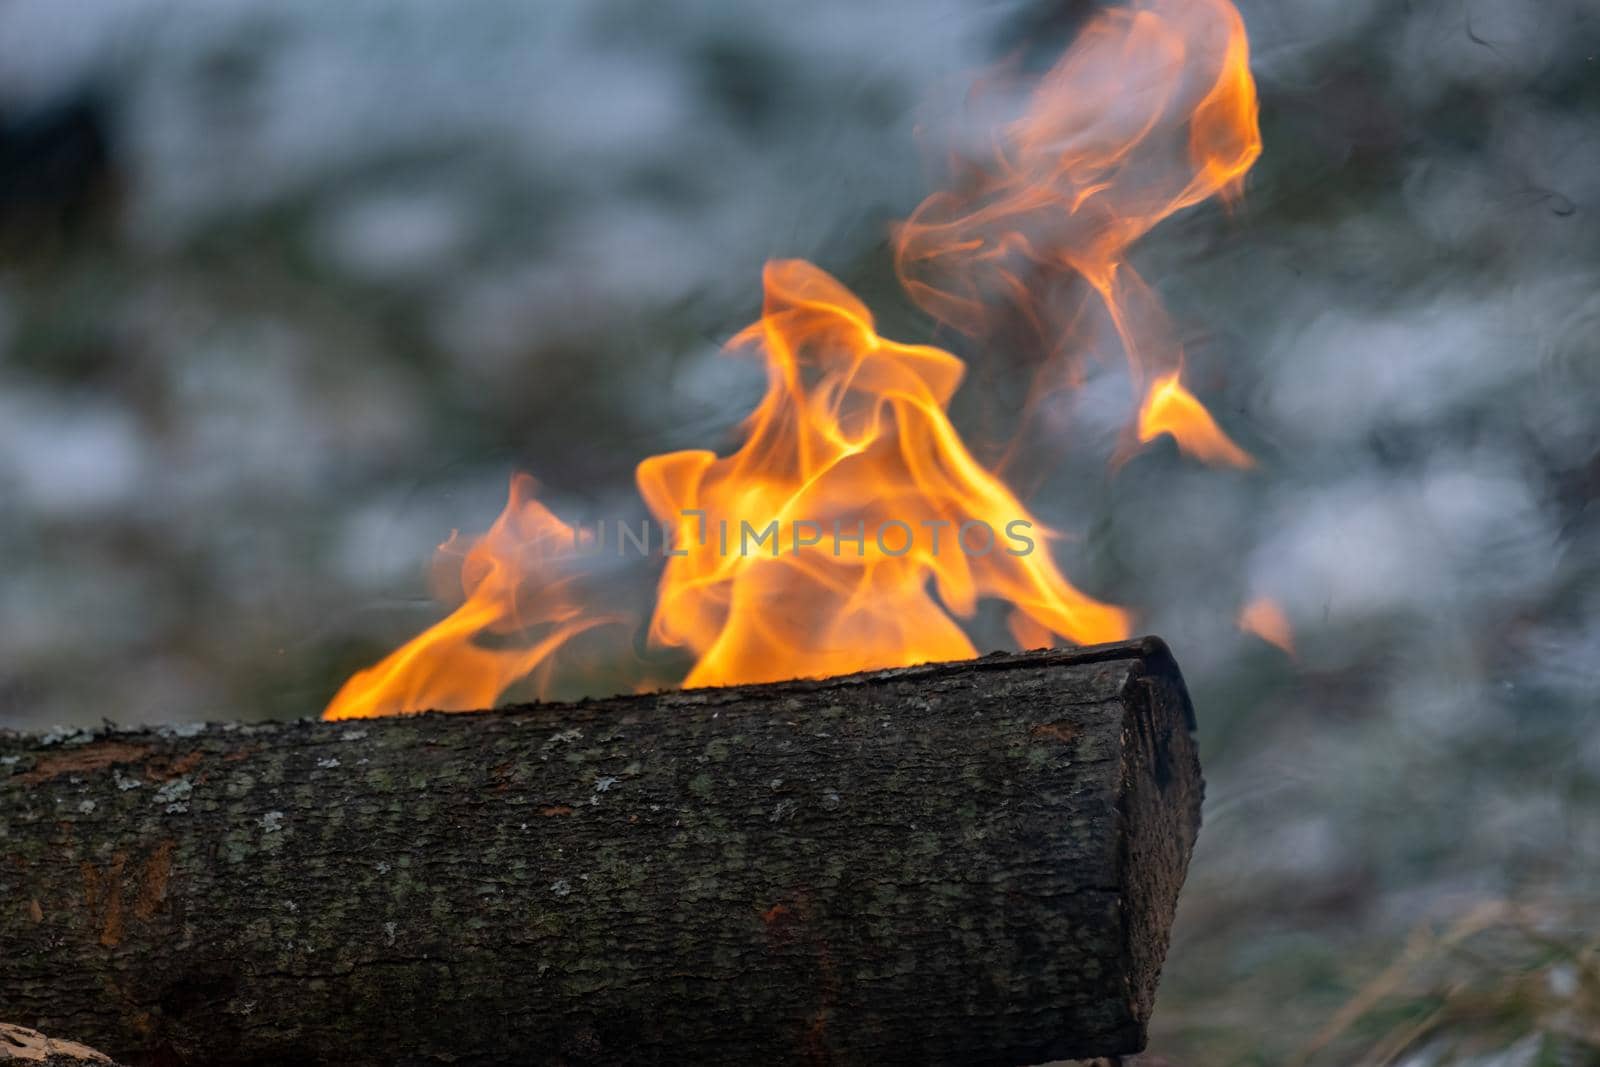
[(1503, 984)]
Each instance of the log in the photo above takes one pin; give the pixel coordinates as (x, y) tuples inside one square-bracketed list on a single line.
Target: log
[(967, 863)]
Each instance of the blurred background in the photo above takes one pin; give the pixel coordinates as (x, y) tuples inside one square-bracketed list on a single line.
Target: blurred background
[(289, 289)]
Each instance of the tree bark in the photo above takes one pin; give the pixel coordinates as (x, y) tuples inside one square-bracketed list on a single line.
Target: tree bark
[(962, 863)]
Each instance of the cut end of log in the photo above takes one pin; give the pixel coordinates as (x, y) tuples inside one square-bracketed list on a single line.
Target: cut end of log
[(21, 1046), (972, 862)]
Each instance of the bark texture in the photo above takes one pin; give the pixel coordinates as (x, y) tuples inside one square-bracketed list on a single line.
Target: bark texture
[(962, 863)]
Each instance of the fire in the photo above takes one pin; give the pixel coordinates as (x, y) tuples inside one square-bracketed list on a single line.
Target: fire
[(1153, 110), (852, 528), (1171, 409), (520, 605), (852, 436), (1265, 618), (845, 534)]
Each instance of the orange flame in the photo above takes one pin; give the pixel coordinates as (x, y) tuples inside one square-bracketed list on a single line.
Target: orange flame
[(1170, 408), (1265, 618), (839, 536), (852, 437), (1151, 111), (514, 587)]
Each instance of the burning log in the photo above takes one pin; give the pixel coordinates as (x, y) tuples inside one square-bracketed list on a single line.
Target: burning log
[(973, 862)]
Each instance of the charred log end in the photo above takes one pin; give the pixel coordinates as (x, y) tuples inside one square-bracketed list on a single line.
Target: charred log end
[(1159, 807), (1158, 799)]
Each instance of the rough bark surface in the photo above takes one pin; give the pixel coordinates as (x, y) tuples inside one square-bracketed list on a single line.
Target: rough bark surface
[(963, 863)]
